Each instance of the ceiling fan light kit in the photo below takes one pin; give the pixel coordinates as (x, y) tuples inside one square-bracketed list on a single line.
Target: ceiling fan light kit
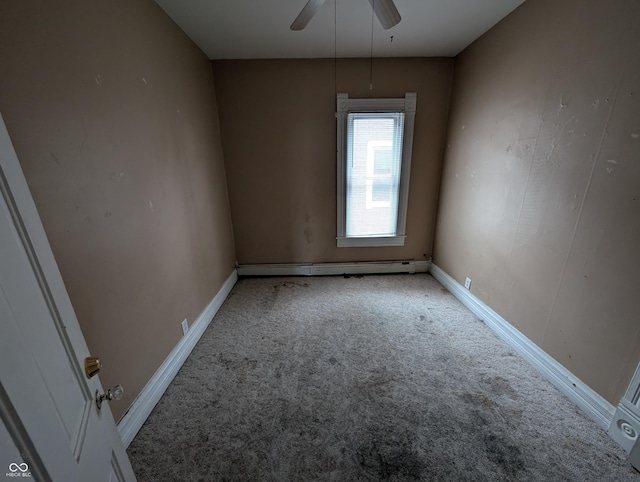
[(385, 10)]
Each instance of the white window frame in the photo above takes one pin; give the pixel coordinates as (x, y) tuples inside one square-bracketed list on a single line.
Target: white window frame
[(345, 105)]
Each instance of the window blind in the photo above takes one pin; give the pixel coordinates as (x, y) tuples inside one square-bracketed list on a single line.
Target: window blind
[(374, 158)]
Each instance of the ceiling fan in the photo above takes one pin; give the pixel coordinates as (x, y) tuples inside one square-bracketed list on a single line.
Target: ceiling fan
[(385, 10)]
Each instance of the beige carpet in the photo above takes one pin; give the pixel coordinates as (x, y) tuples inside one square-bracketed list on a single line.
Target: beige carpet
[(363, 379)]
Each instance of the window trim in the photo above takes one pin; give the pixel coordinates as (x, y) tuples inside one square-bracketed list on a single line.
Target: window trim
[(345, 105)]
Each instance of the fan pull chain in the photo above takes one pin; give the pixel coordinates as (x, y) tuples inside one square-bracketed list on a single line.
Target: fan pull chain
[(335, 47), (373, 8)]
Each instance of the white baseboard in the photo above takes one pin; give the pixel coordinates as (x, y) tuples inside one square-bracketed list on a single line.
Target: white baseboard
[(595, 407), (150, 395), (625, 426), (320, 269)]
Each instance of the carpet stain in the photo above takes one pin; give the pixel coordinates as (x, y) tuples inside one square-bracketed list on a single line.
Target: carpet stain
[(477, 399), (500, 386), (385, 459), (504, 454), (231, 363), (292, 284), (377, 383)]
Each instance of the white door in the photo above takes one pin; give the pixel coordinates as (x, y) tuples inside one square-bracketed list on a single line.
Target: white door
[(51, 426)]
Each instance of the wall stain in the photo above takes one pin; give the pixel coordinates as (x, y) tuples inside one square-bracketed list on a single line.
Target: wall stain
[(308, 234), (55, 158)]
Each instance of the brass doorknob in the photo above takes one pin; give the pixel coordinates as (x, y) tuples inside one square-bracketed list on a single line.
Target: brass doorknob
[(92, 366), (114, 393)]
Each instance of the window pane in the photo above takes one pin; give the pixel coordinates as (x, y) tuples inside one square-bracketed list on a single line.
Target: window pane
[(374, 155)]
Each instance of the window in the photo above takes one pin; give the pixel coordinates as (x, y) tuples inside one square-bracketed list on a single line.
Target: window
[(375, 138)]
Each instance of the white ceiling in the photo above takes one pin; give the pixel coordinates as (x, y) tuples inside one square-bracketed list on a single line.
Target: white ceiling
[(242, 29)]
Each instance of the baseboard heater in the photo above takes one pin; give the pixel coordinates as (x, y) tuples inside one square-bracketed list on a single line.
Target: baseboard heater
[(327, 269)]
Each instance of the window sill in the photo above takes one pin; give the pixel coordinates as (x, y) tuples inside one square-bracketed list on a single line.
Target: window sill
[(370, 242)]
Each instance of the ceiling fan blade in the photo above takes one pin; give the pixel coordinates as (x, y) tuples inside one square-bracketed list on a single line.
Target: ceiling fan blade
[(386, 12), (307, 13)]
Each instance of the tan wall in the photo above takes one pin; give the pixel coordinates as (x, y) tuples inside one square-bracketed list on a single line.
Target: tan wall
[(279, 135), (540, 201), (112, 113)]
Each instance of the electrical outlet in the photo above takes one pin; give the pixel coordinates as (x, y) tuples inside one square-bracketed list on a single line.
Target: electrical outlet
[(467, 283), (185, 326)]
